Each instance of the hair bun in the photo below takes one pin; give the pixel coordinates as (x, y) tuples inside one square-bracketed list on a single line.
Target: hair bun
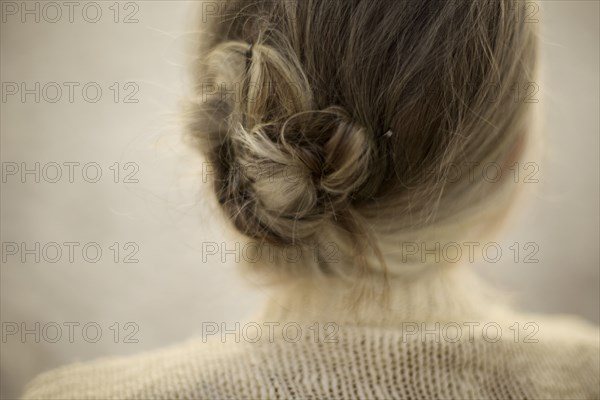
[(283, 166), (297, 175)]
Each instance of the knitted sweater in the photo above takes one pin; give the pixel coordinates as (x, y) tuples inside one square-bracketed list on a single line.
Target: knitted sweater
[(439, 336)]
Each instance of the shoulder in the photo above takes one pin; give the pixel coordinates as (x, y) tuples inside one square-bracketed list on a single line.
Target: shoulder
[(164, 373), (532, 356), (565, 358)]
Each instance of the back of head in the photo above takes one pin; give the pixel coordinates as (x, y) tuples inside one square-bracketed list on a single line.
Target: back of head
[(361, 123)]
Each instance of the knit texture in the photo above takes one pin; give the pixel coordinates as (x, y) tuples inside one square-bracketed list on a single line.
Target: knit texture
[(355, 357)]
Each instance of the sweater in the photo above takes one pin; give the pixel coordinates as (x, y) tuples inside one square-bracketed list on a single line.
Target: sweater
[(439, 334)]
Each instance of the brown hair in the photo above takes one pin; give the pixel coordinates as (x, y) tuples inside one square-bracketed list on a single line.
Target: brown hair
[(343, 120)]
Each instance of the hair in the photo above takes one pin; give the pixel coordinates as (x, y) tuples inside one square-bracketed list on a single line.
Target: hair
[(359, 122)]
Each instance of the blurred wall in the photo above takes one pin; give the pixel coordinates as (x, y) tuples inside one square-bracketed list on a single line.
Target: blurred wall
[(149, 205)]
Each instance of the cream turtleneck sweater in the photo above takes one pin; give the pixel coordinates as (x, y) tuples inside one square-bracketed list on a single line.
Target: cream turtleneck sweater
[(441, 334)]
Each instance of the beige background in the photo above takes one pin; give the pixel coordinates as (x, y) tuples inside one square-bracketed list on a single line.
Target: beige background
[(171, 291)]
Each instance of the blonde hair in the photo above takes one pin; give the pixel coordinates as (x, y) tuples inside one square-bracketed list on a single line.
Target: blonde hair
[(342, 121)]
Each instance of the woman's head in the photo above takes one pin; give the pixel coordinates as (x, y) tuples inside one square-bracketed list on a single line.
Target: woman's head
[(359, 122)]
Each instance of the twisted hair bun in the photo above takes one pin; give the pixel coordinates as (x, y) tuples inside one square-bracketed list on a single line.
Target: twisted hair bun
[(293, 99), (306, 173), (286, 169)]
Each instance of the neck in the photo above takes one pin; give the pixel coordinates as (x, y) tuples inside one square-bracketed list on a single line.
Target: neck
[(436, 293)]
